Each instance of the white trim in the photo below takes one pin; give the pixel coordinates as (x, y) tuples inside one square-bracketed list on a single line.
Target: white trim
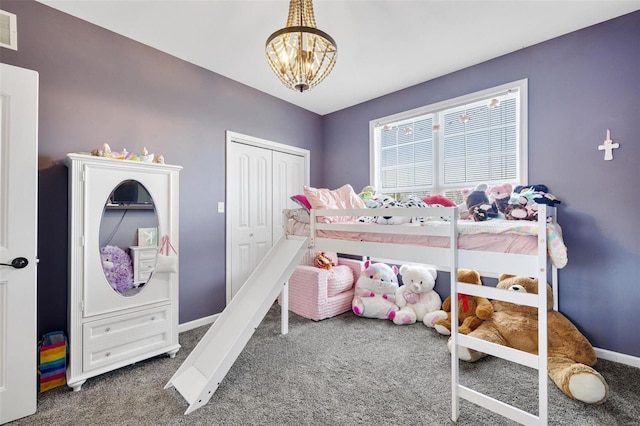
[(630, 360), (197, 323), (12, 30), (522, 167)]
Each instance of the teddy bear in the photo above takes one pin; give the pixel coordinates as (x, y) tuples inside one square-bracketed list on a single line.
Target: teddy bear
[(375, 291), (472, 310), (570, 355), (416, 298)]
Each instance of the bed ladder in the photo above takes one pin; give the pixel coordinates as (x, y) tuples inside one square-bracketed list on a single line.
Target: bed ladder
[(537, 268), (201, 373)]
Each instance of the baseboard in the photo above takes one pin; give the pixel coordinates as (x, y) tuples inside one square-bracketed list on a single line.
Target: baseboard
[(197, 323), (630, 360)]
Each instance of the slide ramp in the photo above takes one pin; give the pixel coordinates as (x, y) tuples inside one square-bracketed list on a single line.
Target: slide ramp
[(201, 373)]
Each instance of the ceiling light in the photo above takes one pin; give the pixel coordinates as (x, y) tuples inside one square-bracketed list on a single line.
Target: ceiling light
[(300, 54)]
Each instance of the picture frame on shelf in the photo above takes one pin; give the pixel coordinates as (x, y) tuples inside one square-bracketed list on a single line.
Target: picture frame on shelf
[(147, 237)]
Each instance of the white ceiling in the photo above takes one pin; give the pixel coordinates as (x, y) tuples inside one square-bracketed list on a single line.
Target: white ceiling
[(383, 46)]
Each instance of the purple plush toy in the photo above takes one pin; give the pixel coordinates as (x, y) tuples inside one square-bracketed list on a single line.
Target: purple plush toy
[(117, 267)]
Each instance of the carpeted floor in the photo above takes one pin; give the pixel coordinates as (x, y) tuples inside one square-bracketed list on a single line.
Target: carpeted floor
[(341, 371)]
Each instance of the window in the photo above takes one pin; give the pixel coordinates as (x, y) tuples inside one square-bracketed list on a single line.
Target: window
[(452, 145)]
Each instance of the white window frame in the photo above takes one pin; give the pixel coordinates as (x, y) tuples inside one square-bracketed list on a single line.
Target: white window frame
[(486, 94)]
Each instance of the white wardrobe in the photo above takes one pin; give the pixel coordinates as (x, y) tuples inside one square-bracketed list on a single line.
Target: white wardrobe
[(114, 320)]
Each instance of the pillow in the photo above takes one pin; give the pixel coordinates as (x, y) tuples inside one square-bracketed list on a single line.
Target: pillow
[(302, 201), (300, 215), (340, 280), (341, 198)]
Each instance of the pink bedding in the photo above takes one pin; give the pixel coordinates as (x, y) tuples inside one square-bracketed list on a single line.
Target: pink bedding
[(504, 237)]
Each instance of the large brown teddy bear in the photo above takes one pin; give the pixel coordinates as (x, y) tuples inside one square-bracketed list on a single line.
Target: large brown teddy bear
[(472, 310), (570, 353)]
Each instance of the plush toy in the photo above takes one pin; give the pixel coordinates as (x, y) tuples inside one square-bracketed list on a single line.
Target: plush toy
[(415, 298), (438, 199), (479, 206), (386, 202), (494, 191), (539, 194), (368, 193), (472, 310), (522, 204), (323, 261), (571, 356), (117, 268), (375, 291)]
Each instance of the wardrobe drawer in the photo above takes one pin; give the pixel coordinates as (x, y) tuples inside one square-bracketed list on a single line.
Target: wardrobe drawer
[(124, 337)]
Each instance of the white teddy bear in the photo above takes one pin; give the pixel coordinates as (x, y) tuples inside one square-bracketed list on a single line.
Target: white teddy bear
[(416, 298)]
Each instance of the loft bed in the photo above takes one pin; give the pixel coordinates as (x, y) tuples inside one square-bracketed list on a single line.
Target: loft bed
[(529, 248)]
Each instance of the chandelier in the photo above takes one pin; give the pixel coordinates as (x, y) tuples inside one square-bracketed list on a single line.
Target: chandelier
[(300, 54)]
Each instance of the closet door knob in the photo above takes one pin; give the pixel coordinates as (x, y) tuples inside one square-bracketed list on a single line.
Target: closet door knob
[(18, 263)]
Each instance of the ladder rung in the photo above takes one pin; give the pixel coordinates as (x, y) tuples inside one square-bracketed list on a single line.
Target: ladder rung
[(499, 407), (500, 351)]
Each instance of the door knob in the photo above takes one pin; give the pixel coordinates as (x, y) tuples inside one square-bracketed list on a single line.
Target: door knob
[(18, 263)]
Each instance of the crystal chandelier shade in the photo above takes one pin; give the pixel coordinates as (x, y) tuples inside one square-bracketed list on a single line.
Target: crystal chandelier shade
[(300, 54)]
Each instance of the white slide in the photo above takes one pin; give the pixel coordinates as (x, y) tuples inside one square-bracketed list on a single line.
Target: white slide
[(201, 373)]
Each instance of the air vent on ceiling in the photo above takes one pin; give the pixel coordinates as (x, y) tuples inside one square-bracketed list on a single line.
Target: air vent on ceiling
[(8, 30)]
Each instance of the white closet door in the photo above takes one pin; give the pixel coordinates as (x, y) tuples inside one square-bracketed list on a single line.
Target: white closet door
[(289, 177), (18, 196), (250, 206)]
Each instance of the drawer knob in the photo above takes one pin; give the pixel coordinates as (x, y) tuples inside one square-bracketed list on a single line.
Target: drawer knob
[(153, 318), (107, 354), (108, 329)]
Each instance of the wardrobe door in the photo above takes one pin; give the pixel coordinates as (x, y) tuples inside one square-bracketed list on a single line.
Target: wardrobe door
[(100, 181)]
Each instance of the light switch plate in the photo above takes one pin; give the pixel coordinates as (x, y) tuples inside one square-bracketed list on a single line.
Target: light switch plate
[(220, 206)]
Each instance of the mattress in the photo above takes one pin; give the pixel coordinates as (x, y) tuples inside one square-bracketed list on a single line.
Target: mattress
[(499, 236)]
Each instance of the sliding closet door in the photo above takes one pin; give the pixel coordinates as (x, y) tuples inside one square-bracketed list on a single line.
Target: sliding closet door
[(249, 204), (288, 180), (261, 176)]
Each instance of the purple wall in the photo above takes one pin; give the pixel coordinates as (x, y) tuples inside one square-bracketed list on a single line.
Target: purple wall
[(97, 86), (579, 85)]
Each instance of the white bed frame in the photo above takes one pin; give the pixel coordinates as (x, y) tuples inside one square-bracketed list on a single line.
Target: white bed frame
[(450, 259)]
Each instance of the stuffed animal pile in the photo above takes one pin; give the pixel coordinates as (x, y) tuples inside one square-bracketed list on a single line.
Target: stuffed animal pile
[(500, 201), (381, 201), (416, 298), (375, 291), (570, 355), (117, 267)]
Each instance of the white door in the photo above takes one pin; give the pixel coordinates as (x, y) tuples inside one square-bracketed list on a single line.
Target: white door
[(249, 202), (18, 198), (288, 180), (261, 176)]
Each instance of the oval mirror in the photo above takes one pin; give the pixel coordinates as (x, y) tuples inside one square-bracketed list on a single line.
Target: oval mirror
[(128, 238)]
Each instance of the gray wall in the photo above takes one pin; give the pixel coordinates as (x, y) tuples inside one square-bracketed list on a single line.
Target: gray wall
[(95, 87), (579, 85)]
